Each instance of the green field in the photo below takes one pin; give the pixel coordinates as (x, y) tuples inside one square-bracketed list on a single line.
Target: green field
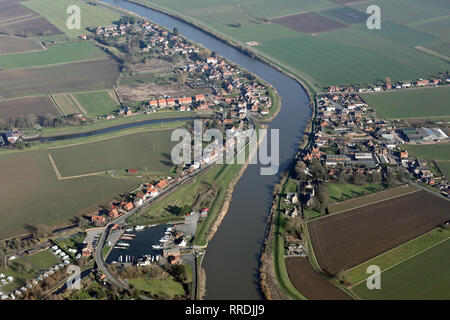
[(161, 287), (55, 12), (32, 194), (397, 255), (444, 166), (350, 55), (60, 53), (97, 103), (147, 151), (414, 103), (430, 152), (424, 276), (66, 104), (345, 191)]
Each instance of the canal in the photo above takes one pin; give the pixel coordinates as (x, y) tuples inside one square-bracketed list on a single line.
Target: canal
[(232, 257)]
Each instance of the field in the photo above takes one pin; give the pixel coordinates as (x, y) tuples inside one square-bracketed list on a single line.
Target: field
[(430, 151), (39, 106), (397, 255), (344, 191), (19, 20), (346, 15), (370, 198), (60, 53), (444, 166), (414, 103), (87, 75), (16, 44), (344, 240), (347, 55), (96, 103), (310, 23), (55, 12), (310, 283), (424, 276), (32, 194), (161, 287), (149, 150), (66, 103)]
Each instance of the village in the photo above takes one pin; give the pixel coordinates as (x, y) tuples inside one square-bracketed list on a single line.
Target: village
[(232, 89)]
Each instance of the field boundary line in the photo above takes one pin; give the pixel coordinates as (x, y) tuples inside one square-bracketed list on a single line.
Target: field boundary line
[(78, 104), (411, 256), (83, 175), (106, 138), (59, 64), (55, 168), (52, 98), (365, 205)]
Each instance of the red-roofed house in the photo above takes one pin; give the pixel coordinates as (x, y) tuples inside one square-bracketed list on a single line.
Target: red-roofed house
[(128, 206)]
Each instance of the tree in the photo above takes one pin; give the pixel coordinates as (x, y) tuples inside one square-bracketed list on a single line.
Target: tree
[(175, 31)]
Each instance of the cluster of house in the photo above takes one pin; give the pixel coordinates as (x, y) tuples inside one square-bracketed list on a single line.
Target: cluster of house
[(146, 192), (350, 134), (156, 39), (421, 171), (230, 87), (390, 86), (347, 133)]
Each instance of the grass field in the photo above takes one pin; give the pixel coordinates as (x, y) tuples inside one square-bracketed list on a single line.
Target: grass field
[(424, 276), (15, 44), (430, 152), (97, 103), (414, 103), (84, 76), (55, 12), (60, 53), (66, 104), (147, 150), (370, 198), (349, 55), (33, 195), (397, 255), (162, 287), (444, 166), (345, 191)]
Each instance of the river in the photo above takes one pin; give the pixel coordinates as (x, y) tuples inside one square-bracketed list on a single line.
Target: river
[(232, 257)]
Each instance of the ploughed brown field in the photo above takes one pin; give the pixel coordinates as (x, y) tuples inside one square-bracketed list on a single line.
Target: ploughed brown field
[(347, 239), (310, 283), (19, 20), (39, 106), (69, 77), (308, 23)]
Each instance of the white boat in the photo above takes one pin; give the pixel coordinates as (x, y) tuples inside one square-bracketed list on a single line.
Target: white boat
[(129, 230), (156, 247), (165, 239), (169, 229), (168, 233), (123, 244), (139, 228)]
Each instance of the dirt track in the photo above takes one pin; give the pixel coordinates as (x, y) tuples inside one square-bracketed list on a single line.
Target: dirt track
[(310, 283), (345, 240)]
